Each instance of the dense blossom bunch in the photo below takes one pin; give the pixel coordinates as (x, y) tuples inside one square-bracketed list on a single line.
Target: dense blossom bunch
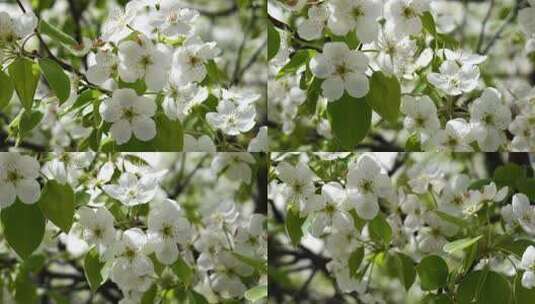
[(389, 227), (157, 225), (141, 78), (420, 74)]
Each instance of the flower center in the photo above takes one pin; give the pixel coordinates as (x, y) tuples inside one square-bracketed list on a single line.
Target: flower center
[(167, 231), (146, 60), (408, 12), (341, 70), (329, 209), (129, 114), (366, 186), (488, 119), (358, 12), (193, 60), (13, 177)]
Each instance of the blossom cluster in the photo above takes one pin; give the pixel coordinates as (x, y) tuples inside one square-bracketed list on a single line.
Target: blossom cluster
[(146, 70), (157, 221), (450, 97), (378, 205)]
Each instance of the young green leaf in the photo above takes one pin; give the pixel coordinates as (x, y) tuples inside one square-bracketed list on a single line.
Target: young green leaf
[(293, 226), (495, 289), (433, 272), (413, 143), (274, 41), (297, 60), (522, 295), (354, 260), (256, 293), (406, 270), (24, 227), (429, 23), (57, 204), (350, 120), (7, 89), (380, 230), (385, 96), (55, 33), (170, 135), (183, 272), (509, 175), (460, 244), (57, 79), (93, 267), (25, 75)]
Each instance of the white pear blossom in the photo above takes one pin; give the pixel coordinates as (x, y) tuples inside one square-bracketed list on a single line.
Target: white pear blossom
[(342, 70), (141, 59), (528, 264), (524, 213), (13, 28), (172, 19), (65, 167), (422, 116), (455, 79), (226, 278), (180, 99), (261, 142), (98, 227), (489, 117), (523, 129), (116, 26), (298, 181), (131, 190), (202, 144), (106, 65), (189, 60), (463, 57), (359, 15), (366, 182), (236, 166), (18, 174), (456, 136), (403, 16), (132, 268), (251, 239), (129, 113), (232, 118), (167, 227), (328, 210), (312, 27)]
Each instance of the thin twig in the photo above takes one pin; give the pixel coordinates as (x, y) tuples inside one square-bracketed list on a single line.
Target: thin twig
[(509, 20), (484, 26)]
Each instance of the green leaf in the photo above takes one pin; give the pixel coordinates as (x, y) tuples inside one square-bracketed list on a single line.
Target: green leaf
[(57, 79), (402, 267), (516, 247), (385, 96), (150, 295), (55, 33), (460, 244), (214, 72), (437, 299), (293, 226), (413, 143), (93, 267), (478, 184), (297, 60), (522, 295), (508, 175), (379, 229), (57, 204), (450, 218), (495, 289), (527, 186), (25, 75), (7, 89), (468, 287), (183, 272), (350, 120), (85, 98), (313, 93), (256, 293), (274, 41), (433, 272), (429, 23), (170, 136), (196, 298), (28, 121), (354, 261), (25, 289), (258, 264), (24, 227)]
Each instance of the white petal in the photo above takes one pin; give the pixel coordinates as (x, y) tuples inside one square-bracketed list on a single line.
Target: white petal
[(28, 191), (7, 195), (121, 131), (333, 88), (144, 128)]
